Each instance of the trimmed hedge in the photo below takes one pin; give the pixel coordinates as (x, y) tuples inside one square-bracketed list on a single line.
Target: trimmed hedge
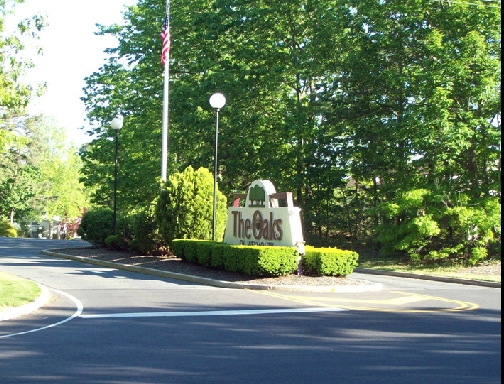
[(249, 260), (265, 261), (329, 261)]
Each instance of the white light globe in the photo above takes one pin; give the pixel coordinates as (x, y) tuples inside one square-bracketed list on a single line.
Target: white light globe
[(117, 122), (217, 100)]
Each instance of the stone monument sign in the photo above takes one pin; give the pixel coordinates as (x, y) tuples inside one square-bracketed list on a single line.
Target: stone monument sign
[(267, 218)]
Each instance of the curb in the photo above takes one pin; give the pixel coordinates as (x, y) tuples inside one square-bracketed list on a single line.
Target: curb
[(367, 286), (419, 276), (12, 313)]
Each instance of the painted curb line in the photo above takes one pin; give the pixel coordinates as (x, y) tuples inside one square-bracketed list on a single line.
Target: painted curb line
[(366, 287), (15, 312)]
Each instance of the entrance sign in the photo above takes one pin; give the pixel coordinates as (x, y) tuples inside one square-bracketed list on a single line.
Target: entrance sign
[(262, 220)]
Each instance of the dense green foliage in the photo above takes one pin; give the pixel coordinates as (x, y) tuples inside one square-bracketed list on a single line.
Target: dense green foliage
[(16, 187), (266, 261), (383, 117), (434, 228), (39, 171), (7, 229), (14, 94), (145, 237), (329, 261), (249, 260), (185, 207), (137, 232), (96, 226)]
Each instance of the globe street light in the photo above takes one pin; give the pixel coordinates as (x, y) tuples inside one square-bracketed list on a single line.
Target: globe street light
[(217, 101), (116, 124)]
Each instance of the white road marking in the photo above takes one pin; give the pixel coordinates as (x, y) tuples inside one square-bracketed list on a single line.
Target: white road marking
[(79, 310), (213, 313)]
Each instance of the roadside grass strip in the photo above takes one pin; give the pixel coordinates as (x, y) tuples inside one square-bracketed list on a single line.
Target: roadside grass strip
[(16, 291), (19, 296), (78, 311)]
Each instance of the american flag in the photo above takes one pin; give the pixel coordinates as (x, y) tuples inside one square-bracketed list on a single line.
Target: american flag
[(165, 36)]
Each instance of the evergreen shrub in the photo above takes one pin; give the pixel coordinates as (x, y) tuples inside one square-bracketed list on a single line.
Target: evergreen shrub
[(184, 209), (217, 255), (230, 257), (329, 261), (203, 253), (266, 260), (249, 260), (96, 226), (191, 251), (144, 232), (7, 229), (177, 247), (270, 261), (116, 243)]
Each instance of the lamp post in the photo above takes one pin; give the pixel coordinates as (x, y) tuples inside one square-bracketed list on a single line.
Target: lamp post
[(116, 124), (217, 101)]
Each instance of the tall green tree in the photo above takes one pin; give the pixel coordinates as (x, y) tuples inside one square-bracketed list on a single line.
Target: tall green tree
[(60, 190), (17, 171), (418, 94), (14, 94), (40, 173), (388, 96)]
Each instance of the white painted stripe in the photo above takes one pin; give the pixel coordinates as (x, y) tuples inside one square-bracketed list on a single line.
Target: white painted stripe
[(214, 313), (79, 310)]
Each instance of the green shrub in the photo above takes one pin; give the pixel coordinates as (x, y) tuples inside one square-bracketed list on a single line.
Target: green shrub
[(116, 243), (432, 226), (265, 261), (177, 247), (217, 255), (145, 234), (276, 261), (257, 260), (203, 253), (184, 209), (329, 261), (7, 229), (191, 251), (96, 226), (230, 256), (249, 260)]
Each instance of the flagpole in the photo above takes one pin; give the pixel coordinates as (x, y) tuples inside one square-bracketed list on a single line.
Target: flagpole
[(164, 135), (164, 138)]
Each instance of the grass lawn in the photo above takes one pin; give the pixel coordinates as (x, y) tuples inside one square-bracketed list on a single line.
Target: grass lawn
[(15, 291), (489, 270)]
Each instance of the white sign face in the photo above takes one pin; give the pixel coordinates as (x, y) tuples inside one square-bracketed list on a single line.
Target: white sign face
[(262, 221)]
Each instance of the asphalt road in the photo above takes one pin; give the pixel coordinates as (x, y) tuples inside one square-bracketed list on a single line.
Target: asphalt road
[(102, 325)]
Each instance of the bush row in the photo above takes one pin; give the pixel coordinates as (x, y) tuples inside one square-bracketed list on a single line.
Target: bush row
[(252, 261), (329, 261), (265, 261)]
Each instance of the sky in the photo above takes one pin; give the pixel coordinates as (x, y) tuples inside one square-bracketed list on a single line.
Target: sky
[(71, 52)]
